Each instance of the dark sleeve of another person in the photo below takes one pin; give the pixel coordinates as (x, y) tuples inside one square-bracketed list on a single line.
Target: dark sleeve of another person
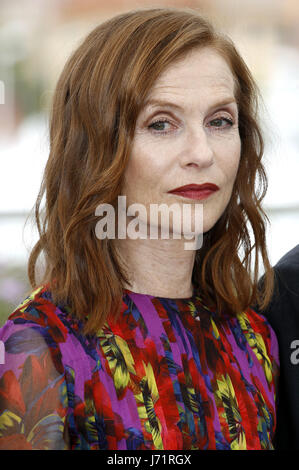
[(283, 315)]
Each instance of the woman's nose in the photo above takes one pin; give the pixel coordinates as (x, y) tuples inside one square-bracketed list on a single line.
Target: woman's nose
[(199, 150)]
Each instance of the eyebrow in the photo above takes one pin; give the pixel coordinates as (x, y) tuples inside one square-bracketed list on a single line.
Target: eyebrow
[(155, 103)]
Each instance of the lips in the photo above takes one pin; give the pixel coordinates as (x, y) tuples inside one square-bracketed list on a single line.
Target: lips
[(195, 191), (196, 187)]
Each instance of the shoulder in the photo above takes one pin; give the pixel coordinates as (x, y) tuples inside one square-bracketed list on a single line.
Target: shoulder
[(289, 260), (260, 336), (35, 319), (287, 272), (39, 311), (38, 327), (254, 321), (284, 304)]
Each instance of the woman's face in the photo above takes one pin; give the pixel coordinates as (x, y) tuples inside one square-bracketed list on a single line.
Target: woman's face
[(190, 137)]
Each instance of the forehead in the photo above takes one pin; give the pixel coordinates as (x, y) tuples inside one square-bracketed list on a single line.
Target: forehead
[(200, 71)]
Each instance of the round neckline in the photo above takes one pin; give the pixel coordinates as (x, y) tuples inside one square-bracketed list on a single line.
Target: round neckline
[(194, 294)]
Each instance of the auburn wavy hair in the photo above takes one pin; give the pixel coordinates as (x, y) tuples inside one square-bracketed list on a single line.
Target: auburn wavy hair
[(98, 97)]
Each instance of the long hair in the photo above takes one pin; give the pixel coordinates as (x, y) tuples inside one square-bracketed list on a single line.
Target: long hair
[(98, 97)]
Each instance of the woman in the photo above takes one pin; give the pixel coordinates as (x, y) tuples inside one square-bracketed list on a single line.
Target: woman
[(143, 343)]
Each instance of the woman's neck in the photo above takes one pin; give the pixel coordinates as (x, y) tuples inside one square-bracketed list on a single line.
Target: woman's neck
[(157, 267)]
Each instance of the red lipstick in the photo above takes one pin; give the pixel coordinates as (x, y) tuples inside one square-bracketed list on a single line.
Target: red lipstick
[(195, 191)]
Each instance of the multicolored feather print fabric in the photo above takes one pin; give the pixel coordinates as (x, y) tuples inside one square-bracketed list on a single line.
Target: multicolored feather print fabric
[(169, 374)]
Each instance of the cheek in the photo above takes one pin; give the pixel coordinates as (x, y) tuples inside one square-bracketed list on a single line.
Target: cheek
[(134, 173), (230, 162), (144, 167), (233, 170), (141, 179)]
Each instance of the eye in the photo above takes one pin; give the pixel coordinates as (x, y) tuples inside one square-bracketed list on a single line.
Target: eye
[(158, 126), (218, 122)]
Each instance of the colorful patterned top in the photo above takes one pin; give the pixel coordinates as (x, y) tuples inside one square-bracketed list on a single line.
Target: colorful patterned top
[(169, 374)]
